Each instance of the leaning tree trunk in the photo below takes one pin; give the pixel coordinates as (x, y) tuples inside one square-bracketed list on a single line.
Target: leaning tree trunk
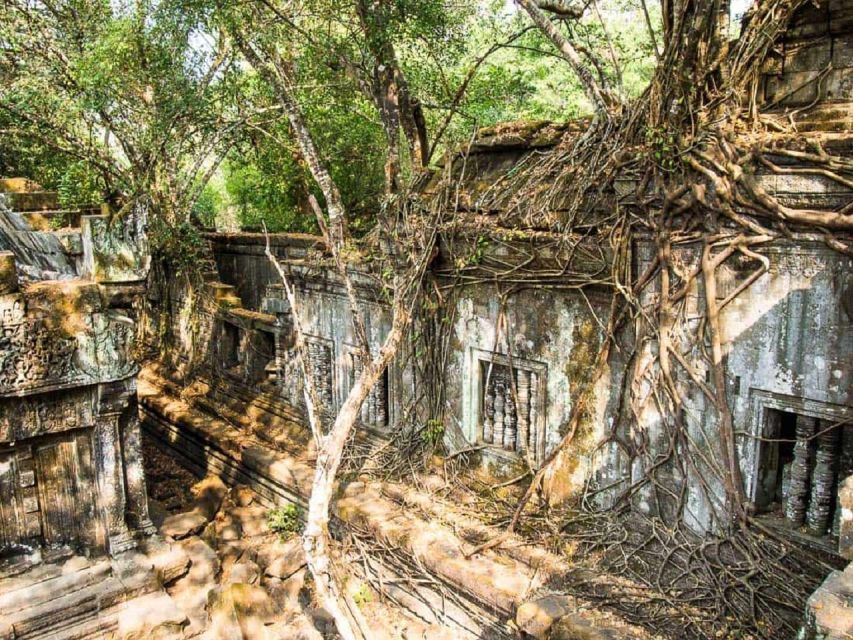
[(316, 538)]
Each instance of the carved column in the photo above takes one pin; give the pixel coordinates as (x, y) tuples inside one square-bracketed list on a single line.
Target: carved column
[(371, 406), (795, 508), (381, 391), (500, 387), (488, 408), (510, 420), (111, 487), (523, 408), (134, 473), (823, 481)]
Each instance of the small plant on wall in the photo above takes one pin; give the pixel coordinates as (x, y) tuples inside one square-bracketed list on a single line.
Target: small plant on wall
[(286, 521)]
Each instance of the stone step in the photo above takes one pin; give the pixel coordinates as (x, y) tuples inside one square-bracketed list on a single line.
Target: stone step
[(64, 608), (26, 594)]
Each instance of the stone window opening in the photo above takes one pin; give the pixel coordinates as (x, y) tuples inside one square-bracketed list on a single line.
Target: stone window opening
[(511, 405), (803, 459)]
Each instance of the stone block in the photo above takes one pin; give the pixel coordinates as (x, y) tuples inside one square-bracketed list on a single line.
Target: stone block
[(808, 56), (838, 84), (242, 495), (150, 616), (169, 561), (18, 185), (33, 200), (228, 529), (243, 571), (282, 559), (842, 51), (209, 494), (792, 88), (576, 627), (8, 273), (241, 611), (183, 525), (829, 610), (841, 19), (190, 592), (536, 617), (286, 592)]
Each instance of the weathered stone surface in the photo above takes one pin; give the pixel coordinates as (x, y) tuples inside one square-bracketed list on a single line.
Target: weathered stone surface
[(829, 610), (182, 525), (241, 611), (286, 592), (209, 494), (282, 559), (537, 617), (227, 528), (8, 273), (576, 627), (252, 520), (150, 617), (116, 249), (190, 592), (169, 561), (244, 571), (242, 495), (75, 563)]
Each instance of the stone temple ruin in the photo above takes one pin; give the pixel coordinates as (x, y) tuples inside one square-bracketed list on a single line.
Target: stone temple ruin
[(71, 476), (224, 396)]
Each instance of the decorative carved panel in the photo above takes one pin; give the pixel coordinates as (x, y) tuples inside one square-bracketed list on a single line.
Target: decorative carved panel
[(22, 418), (47, 494)]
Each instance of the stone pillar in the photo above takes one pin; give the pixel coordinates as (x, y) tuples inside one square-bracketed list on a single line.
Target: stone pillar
[(523, 409), (111, 487), (488, 408), (134, 473), (510, 430), (795, 507), (381, 391), (823, 481), (500, 387)]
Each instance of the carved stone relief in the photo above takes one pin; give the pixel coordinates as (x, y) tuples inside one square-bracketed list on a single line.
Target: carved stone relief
[(22, 418)]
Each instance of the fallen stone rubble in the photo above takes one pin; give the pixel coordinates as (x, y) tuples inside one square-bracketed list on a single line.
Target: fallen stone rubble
[(494, 591)]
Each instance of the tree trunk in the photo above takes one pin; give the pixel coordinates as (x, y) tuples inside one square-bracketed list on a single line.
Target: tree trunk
[(316, 539), (598, 95)]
